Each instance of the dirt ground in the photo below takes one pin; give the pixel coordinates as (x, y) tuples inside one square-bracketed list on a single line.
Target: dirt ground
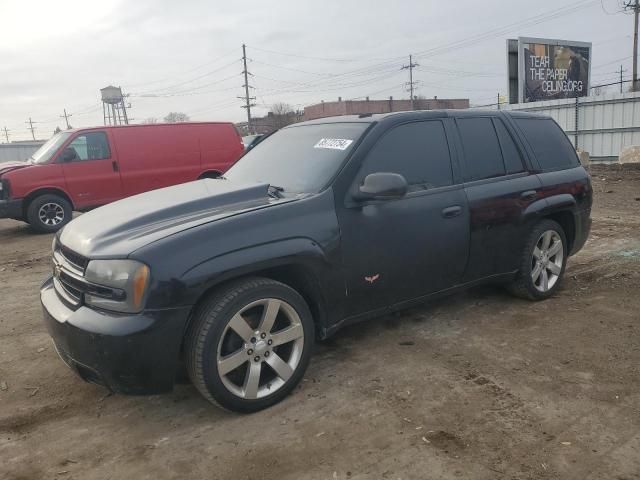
[(476, 386)]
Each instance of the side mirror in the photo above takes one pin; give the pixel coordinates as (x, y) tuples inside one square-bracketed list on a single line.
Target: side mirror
[(68, 154), (382, 186)]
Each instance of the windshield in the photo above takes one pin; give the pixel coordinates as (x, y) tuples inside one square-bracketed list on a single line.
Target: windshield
[(299, 159), (46, 151)]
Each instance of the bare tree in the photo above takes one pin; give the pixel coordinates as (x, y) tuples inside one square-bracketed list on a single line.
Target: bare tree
[(283, 115), (150, 120), (176, 117), (281, 108)]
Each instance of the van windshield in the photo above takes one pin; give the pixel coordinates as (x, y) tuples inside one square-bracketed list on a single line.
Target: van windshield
[(46, 151), (300, 159)]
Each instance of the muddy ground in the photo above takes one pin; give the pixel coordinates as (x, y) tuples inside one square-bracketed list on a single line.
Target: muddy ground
[(477, 386)]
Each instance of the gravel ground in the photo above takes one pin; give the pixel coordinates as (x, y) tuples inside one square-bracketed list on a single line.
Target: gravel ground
[(476, 386)]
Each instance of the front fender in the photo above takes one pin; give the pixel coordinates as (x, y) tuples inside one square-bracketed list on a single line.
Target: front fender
[(302, 252)]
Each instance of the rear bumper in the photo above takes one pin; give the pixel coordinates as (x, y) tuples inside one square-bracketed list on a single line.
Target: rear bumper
[(583, 228), (131, 354), (11, 209)]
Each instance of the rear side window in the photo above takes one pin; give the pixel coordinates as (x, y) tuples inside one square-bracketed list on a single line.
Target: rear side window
[(550, 145), (482, 152), (510, 152), (91, 146), (418, 151)]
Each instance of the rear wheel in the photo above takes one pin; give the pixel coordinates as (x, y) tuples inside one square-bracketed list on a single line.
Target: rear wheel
[(48, 213), (543, 261), (250, 344)]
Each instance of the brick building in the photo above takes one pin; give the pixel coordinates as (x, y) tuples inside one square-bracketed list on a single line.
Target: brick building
[(270, 122), (357, 107)]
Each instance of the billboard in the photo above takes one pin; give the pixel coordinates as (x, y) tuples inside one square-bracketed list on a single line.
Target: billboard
[(548, 69)]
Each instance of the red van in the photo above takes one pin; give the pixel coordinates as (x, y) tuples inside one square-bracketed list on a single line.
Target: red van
[(85, 168)]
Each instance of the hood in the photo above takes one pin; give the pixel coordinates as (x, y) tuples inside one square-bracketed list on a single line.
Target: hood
[(8, 166), (118, 229)]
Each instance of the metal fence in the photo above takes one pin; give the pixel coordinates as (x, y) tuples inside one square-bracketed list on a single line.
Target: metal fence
[(602, 125)]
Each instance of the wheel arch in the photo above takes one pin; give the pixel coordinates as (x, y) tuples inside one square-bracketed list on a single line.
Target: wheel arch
[(300, 265), (210, 174), (559, 208), (31, 196)]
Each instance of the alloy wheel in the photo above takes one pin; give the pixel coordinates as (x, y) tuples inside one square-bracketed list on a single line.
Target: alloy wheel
[(546, 261), (260, 348)]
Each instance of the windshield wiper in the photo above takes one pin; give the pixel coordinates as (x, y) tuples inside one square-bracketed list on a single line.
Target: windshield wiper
[(275, 191)]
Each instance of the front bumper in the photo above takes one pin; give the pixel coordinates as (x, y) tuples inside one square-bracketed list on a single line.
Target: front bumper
[(11, 209), (131, 354)]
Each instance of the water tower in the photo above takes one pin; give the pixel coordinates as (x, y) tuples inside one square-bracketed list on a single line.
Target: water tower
[(114, 110)]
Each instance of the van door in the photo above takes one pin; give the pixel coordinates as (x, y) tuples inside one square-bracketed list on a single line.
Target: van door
[(401, 249), (499, 188), (91, 170)]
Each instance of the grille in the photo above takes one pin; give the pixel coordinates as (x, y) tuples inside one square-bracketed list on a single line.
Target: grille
[(68, 271), (74, 258)]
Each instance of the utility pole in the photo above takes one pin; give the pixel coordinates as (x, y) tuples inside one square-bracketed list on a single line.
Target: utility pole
[(411, 82), (498, 101), (635, 6), (6, 134), (32, 128), (621, 72), (246, 86), (66, 118)]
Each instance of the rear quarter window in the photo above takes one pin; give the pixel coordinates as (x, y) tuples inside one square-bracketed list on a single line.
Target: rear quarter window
[(552, 148)]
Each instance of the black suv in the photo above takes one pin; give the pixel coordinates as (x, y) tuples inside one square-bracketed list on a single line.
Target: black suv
[(322, 224)]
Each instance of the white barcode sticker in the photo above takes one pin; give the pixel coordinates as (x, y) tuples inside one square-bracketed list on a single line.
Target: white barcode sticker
[(333, 143)]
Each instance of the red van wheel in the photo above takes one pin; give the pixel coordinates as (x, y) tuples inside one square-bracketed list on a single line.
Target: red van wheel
[(48, 213)]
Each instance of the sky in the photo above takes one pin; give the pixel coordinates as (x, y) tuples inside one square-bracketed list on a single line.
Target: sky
[(186, 56)]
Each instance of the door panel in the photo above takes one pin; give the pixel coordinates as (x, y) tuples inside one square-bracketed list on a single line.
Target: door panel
[(401, 249), (91, 176), (497, 230), (498, 191)]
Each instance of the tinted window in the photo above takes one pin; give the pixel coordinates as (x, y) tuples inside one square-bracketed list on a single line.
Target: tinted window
[(549, 143), (510, 152), (299, 159), (91, 146), (418, 151), (482, 152)]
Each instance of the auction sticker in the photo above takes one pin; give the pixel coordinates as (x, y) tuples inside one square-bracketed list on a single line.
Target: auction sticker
[(333, 143)]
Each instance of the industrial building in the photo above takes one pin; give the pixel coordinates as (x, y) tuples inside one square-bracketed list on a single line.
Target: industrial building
[(359, 107)]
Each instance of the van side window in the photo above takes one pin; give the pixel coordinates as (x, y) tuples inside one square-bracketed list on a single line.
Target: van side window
[(549, 143), (482, 152), (510, 152), (91, 146), (419, 151)]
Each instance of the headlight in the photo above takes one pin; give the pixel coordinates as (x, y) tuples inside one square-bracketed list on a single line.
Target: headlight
[(118, 285)]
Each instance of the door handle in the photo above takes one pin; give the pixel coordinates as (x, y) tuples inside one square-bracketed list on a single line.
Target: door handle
[(114, 164), (529, 195), (451, 212)]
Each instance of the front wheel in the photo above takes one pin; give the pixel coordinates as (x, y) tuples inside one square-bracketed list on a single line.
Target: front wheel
[(48, 213), (249, 345), (543, 261)]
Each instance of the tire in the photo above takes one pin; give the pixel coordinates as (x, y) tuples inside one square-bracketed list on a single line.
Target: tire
[(48, 213), (223, 364), (529, 282)]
